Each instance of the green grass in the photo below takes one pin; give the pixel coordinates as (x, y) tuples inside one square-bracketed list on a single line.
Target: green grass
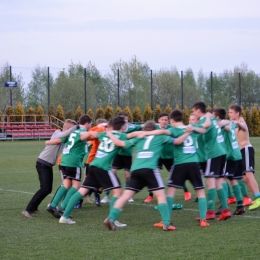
[(44, 238)]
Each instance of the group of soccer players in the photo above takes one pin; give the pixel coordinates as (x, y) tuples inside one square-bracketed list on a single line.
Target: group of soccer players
[(210, 146)]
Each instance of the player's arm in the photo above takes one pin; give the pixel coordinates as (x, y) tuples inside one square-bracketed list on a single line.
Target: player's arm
[(207, 122), (53, 141), (67, 132), (181, 139), (115, 140), (88, 135), (198, 130), (241, 124), (154, 132)]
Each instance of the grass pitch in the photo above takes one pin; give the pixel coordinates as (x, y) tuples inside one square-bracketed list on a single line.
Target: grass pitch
[(44, 238)]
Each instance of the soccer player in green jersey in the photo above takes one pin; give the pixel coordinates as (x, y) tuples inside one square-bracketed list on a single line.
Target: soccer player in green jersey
[(144, 173), (216, 159), (233, 169), (71, 163)]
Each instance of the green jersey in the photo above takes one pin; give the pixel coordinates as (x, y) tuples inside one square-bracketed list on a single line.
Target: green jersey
[(167, 151), (185, 152), (74, 150), (148, 150), (213, 139), (129, 129), (107, 150), (233, 150)]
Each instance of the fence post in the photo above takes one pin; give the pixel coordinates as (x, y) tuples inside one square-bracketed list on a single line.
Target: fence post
[(211, 89), (152, 89), (182, 102), (118, 86), (11, 88), (240, 90), (85, 90), (48, 85)]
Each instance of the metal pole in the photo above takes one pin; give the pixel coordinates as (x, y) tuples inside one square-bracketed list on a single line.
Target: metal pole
[(11, 88), (48, 85), (211, 88), (151, 89), (240, 89), (182, 102), (85, 89), (118, 86)]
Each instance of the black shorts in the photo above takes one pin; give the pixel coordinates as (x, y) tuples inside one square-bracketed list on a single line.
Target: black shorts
[(168, 163), (97, 178), (248, 159), (122, 162), (215, 167), (72, 173), (145, 177), (186, 171), (86, 169), (237, 170), (203, 166), (61, 174)]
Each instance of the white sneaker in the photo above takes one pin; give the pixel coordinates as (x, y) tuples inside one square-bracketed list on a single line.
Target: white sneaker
[(131, 200), (105, 200), (118, 224), (64, 220)]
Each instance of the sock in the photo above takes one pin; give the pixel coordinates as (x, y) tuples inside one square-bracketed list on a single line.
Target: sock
[(257, 196), (185, 187), (107, 193), (211, 199), (229, 191), (114, 214), (112, 202), (222, 198), (237, 193), (69, 194), (170, 201), (150, 194), (202, 204), (164, 211), (243, 188), (72, 203), (225, 188), (55, 193), (58, 197)]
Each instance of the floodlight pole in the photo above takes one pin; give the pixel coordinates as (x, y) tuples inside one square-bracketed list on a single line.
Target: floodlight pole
[(11, 88)]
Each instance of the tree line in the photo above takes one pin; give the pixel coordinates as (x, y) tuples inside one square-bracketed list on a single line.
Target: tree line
[(251, 116), (133, 84)]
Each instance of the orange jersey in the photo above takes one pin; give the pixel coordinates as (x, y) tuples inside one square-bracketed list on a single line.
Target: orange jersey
[(95, 144)]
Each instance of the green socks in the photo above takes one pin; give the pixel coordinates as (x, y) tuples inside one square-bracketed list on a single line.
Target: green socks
[(202, 204), (58, 197), (243, 188), (112, 202), (225, 188), (72, 203), (114, 214), (211, 199), (237, 193), (222, 198), (185, 187), (69, 194), (170, 201), (164, 211)]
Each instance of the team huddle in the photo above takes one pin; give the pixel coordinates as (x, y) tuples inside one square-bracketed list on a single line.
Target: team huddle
[(210, 147)]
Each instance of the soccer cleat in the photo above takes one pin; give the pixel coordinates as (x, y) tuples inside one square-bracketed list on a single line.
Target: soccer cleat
[(53, 211), (110, 224), (159, 224), (169, 228), (239, 211), (27, 214), (247, 201), (131, 200), (64, 220), (118, 224), (78, 206), (105, 200), (204, 223), (60, 210), (196, 200), (255, 205), (231, 200), (148, 199), (176, 206), (225, 214), (217, 212), (209, 215), (187, 195)]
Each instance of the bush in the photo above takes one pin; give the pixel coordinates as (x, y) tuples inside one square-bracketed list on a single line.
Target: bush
[(137, 116), (78, 113), (148, 113), (128, 111), (40, 114), (19, 112), (60, 113), (69, 114), (157, 112), (30, 112), (168, 109), (90, 113), (108, 113), (100, 113)]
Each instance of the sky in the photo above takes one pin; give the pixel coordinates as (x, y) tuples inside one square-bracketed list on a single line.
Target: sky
[(198, 34)]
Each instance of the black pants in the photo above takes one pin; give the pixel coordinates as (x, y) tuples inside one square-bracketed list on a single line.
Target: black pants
[(45, 174)]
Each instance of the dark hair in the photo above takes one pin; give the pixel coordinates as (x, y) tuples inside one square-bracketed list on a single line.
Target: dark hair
[(220, 112), (149, 126), (163, 114), (176, 115), (117, 122), (200, 105), (122, 113), (85, 119), (236, 108)]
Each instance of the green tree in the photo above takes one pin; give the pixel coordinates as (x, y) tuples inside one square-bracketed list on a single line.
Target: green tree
[(40, 114), (186, 115), (148, 113), (78, 113), (90, 113), (168, 109), (157, 112), (51, 111), (9, 111), (108, 112), (30, 112), (19, 112), (69, 114), (137, 116), (255, 122), (60, 113), (128, 111), (118, 109), (248, 120), (100, 113)]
